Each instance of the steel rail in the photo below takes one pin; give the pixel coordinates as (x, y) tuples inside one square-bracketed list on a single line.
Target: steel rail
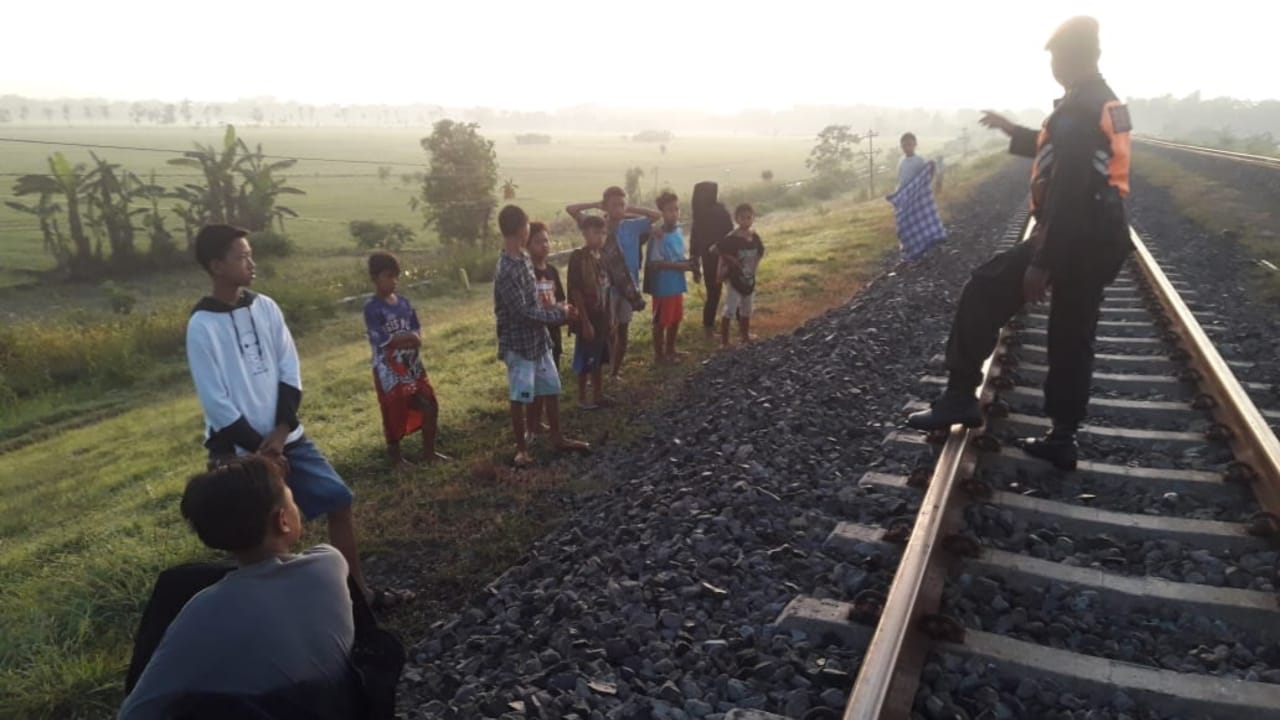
[(1262, 160), (882, 682), (1252, 441)]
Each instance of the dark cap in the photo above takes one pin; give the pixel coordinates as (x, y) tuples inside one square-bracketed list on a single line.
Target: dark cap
[(1079, 35)]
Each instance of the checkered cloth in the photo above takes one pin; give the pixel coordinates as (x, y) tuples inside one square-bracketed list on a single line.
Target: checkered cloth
[(919, 227)]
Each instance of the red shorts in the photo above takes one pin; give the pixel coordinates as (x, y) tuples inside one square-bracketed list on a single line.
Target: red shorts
[(402, 406), (668, 311)]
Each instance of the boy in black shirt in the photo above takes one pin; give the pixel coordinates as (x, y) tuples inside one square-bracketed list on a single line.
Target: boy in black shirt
[(740, 253), (550, 294)]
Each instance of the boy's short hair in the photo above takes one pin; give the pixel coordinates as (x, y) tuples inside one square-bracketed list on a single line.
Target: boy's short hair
[(229, 507), (510, 219), (213, 242), (536, 227), (383, 261), (907, 136), (613, 191), (665, 199), (744, 208), (592, 222)]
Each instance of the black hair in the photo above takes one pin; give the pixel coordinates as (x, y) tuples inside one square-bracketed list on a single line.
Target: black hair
[(907, 136), (666, 198), (613, 191), (744, 207), (592, 222), (510, 219), (538, 226), (383, 261), (213, 242), (229, 507)]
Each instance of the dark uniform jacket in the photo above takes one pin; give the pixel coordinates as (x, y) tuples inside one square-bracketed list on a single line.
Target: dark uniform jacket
[(1079, 180)]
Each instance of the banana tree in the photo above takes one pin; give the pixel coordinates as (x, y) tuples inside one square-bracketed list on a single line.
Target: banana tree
[(153, 219), (46, 211), (66, 180), (261, 189), (110, 192), (191, 208), (219, 168)]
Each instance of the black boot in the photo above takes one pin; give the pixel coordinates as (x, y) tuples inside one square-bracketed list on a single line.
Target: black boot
[(953, 407), (1058, 448)]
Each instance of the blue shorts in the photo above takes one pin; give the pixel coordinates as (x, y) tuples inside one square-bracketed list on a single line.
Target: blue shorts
[(316, 486), (530, 379)]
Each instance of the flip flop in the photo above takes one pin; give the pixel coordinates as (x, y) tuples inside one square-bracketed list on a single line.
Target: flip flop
[(567, 445)]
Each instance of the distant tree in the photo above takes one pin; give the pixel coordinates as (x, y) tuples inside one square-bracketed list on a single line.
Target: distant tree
[(632, 184), (652, 136), (48, 115), (257, 114), (66, 112), (88, 111), (384, 173), (371, 235), (509, 188), (662, 148), (533, 139), (185, 110), (832, 156), (5, 116), (170, 114), (767, 176), (23, 112), (458, 188), (104, 111)]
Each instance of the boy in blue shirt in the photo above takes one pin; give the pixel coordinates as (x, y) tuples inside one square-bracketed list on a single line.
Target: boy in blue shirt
[(628, 228), (668, 263)]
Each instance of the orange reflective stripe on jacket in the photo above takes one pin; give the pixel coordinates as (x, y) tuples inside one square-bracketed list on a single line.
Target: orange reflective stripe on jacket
[(1113, 113)]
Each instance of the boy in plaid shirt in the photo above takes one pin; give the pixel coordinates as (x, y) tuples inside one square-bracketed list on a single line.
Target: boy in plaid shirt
[(523, 341)]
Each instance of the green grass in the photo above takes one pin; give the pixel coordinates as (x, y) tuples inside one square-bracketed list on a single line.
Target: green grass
[(1216, 207), (88, 513)]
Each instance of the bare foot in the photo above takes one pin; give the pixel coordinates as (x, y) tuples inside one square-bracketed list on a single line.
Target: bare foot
[(523, 459)]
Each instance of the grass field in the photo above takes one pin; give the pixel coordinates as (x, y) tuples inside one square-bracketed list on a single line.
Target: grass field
[(571, 168), (87, 514)]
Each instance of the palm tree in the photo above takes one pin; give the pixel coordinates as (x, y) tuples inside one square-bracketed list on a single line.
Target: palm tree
[(509, 188)]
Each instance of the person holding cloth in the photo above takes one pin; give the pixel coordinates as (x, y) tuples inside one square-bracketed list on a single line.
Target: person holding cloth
[(1081, 238)]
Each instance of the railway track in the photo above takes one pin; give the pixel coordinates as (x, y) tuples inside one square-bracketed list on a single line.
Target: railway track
[(1261, 160), (1144, 588)]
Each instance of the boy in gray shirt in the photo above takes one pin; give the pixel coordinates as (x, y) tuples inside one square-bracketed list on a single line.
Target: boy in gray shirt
[(276, 621)]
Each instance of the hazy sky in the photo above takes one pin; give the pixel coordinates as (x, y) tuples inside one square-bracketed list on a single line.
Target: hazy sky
[(706, 54)]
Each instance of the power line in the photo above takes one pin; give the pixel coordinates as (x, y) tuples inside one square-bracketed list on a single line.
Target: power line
[(134, 148)]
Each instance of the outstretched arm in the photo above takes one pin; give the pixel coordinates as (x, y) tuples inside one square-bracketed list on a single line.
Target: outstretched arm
[(653, 215)]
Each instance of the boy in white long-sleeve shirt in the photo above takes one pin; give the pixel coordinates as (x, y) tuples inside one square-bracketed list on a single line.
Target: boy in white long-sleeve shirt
[(246, 372)]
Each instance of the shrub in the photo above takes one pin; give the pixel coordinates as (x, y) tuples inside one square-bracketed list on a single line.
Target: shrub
[(119, 299), (370, 235), (270, 242)]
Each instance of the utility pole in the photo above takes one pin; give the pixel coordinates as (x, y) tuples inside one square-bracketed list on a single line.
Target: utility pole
[(870, 153)]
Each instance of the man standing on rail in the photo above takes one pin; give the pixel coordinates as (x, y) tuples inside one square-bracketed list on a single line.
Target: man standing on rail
[(1081, 238)]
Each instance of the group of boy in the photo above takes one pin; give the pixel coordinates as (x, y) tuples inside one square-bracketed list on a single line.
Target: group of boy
[(265, 476), (605, 285)]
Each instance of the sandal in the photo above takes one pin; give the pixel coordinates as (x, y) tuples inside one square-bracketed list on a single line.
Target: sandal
[(388, 599), (571, 445)]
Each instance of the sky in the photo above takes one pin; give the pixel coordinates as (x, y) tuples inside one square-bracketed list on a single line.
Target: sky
[(706, 55)]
